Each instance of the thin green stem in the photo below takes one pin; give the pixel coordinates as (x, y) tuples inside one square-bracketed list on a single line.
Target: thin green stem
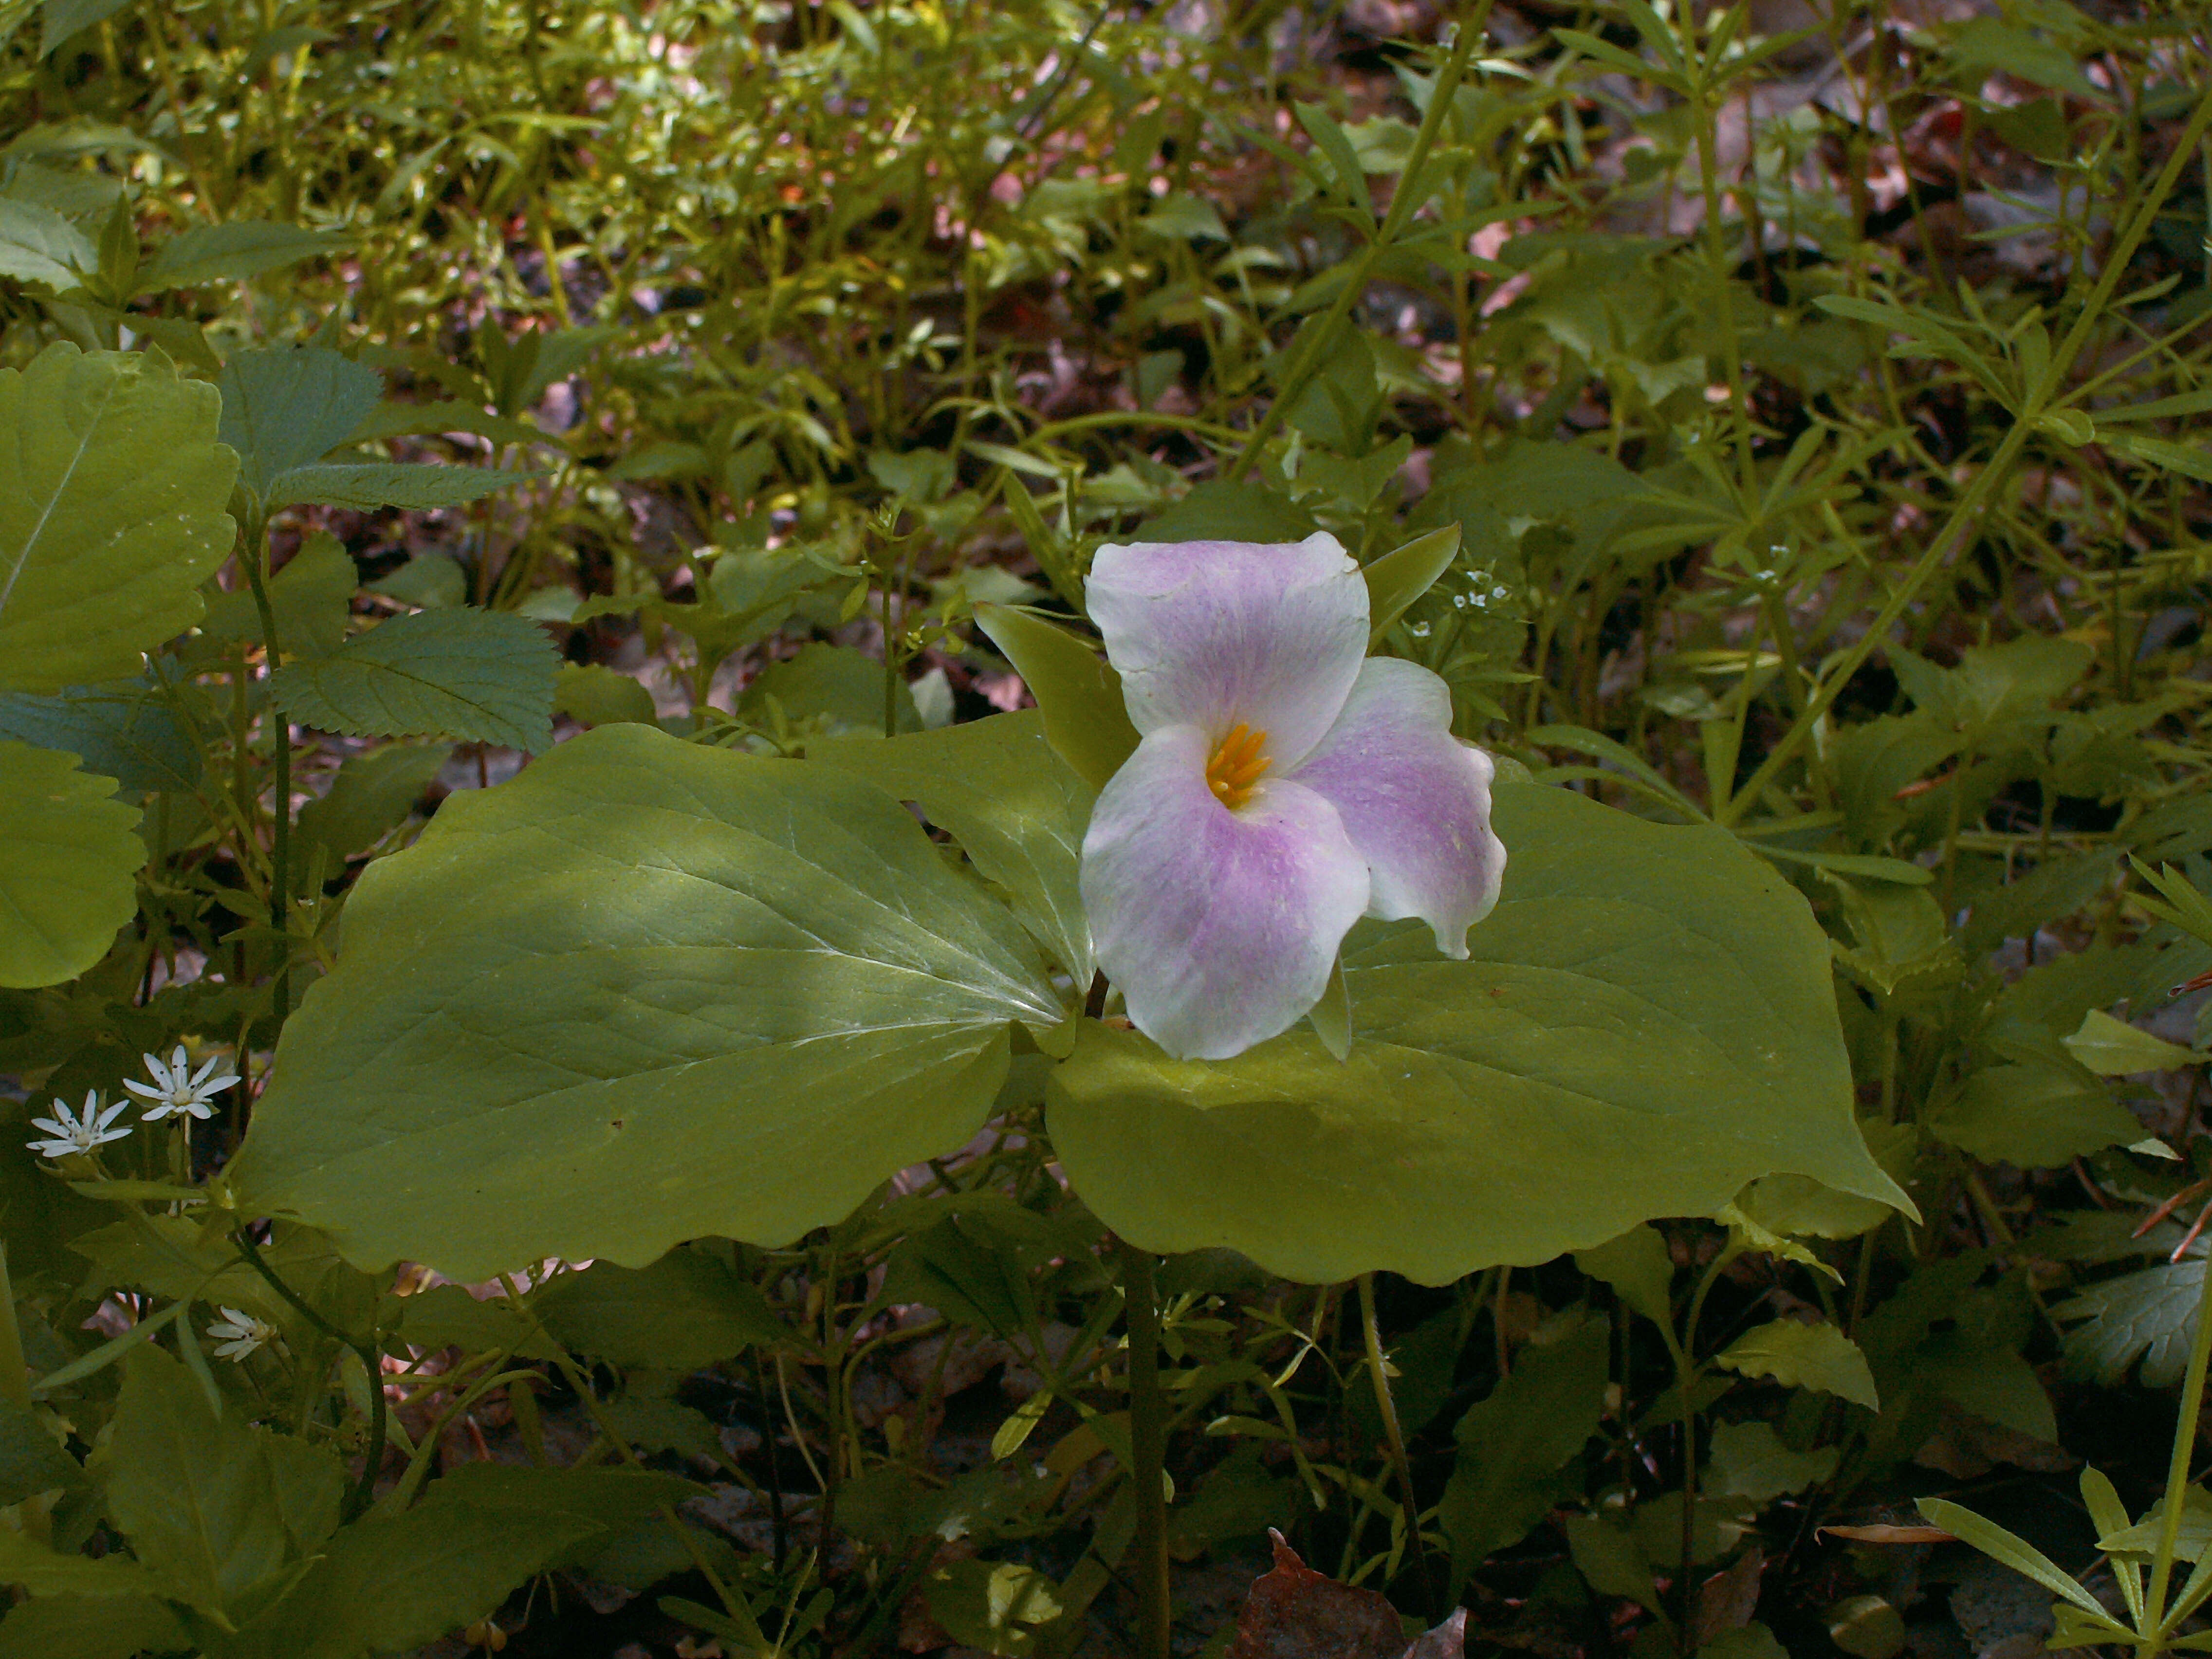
[(1306, 351), (369, 1351), (1394, 1435), (280, 759), (1147, 1451), (2038, 400), (2177, 1472)]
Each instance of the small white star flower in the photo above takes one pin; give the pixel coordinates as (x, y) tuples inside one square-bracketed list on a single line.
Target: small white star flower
[(239, 1334), (177, 1088), (70, 1132)]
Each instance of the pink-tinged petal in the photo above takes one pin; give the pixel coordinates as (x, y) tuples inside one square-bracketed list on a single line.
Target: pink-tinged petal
[(1215, 634), (1219, 927), (1414, 799)]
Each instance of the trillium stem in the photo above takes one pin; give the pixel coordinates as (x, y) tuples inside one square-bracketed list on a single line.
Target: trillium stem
[(1394, 1437), (1148, 1435)]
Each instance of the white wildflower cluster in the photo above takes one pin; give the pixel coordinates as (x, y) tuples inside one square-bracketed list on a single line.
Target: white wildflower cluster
[(176, 1090), (1482, 590)]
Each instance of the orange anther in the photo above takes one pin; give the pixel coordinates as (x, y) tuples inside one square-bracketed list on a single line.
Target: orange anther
[(1239, 762)]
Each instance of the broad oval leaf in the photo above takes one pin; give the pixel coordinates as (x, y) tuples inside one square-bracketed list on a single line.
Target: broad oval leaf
[(644, 992), (69, 879), (112, 496), (1647, 1022)]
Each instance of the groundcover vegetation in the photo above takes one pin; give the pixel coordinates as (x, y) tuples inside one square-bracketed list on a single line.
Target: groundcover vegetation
[(560, 1093)]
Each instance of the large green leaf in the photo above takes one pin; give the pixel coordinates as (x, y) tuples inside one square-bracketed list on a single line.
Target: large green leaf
[(1648, 1021), (1018, 809), (69, 879), (112, 496), (645, 991), (389, 1583), (477, 676), (222, 1515)]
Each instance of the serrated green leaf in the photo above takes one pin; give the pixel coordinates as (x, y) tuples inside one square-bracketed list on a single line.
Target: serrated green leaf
[(68, 880), (232, 252), (112, 496), (221, 1515), (367, 485), (2145, 1316), (1648, 1018), (286, 406), (732, 995), (1800, 1355), (389, 1583), (474, 676)]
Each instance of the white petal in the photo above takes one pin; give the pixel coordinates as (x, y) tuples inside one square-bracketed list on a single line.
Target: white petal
[(1219, 927), (1414, 799), (145, 1092), (1214, 634)]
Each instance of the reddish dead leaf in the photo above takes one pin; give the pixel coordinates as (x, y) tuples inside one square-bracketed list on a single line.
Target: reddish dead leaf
[(1447, 1641), (1727, 1600), (1890, 1534), (1295, 1613)]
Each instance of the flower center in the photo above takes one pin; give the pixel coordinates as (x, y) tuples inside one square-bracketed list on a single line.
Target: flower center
[(1238, 762)]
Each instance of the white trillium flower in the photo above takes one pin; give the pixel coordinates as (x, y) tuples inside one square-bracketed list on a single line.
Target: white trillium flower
[(239, 1334), (73, 1133), (177, 1088), (1285, 784)]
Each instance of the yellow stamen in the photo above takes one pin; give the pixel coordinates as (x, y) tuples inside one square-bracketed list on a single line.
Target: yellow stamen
[(1240, 761)]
